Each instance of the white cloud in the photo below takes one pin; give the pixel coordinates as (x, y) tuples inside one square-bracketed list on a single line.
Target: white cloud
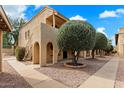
[(106, 14), (78, 17), (121, 11), (15, 11), (101, 30), (37, 6), (113, 13)]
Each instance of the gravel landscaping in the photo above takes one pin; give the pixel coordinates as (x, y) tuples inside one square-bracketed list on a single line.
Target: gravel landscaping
[(74, 77), (9, 78)]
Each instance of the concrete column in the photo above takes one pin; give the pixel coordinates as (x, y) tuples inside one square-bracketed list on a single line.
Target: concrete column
[(55, 56), (90, 53), (99, 52), (84, 54), (53, 21), (81, 53), (94, 52), (0, 51), (32, 53), (43, 58), (103, 52)]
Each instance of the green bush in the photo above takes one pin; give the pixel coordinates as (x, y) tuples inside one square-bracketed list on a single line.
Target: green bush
[(20, 53)]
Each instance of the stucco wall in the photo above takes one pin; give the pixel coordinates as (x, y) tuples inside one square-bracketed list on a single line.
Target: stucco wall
[(120, 46), (42, 34), (48, 35), (8, 51), (34, 26)]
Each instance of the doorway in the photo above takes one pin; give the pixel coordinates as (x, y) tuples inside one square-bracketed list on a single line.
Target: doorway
[(65, 54)]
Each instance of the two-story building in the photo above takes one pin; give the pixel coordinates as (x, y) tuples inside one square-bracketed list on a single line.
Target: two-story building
[(39, 37)]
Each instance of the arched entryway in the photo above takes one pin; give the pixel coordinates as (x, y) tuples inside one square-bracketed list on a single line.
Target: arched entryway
[(49, 54), (36, 53)]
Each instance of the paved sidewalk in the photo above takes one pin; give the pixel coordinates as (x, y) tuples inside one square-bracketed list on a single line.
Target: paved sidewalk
[(105, 77), (119, 83), (33, 77)]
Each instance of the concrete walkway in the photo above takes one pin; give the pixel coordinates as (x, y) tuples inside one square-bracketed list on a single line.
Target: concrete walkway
[(105, 77), (33, 77)]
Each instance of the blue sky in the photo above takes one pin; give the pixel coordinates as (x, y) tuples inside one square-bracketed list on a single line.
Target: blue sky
[(106, 19)]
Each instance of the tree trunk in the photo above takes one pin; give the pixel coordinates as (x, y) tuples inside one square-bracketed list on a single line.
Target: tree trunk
[(14, 48), (75, 58), (93, 54)]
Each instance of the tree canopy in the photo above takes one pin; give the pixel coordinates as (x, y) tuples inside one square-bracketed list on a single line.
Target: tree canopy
[(76, 35), (109, 48), (101, 41), (13, 36)]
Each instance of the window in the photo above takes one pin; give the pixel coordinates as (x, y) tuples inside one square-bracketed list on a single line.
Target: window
[(27, 35)]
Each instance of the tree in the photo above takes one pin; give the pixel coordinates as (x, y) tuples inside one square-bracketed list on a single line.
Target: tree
[(101, 42), (109, 48), (13, 36), (5, 43), (76, 35)]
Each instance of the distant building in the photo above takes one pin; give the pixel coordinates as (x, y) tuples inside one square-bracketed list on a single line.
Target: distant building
[(119, 40)]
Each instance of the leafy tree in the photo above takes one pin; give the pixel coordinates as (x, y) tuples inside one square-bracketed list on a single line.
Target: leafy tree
[(76, 35), (101, 42), (5, 43), (109, 48), (13, 36)]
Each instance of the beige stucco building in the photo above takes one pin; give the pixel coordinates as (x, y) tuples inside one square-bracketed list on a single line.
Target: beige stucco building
[(39, 37), (119, 38), (4, 26)]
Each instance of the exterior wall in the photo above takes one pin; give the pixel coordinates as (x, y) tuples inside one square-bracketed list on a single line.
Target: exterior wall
[(120, 45), (34, 27), (60, 56), (7, 51), (42, 33), (48, 35)]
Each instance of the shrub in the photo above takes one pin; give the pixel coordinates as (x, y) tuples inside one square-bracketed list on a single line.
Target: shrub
[(20, 53)]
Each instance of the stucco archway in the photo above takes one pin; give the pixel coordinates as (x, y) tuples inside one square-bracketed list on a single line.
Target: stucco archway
[(36, 53), (49, 54)]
